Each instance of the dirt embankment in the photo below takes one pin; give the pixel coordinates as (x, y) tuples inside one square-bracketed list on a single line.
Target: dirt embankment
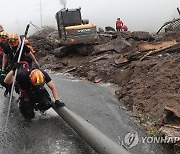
[(144, 66)]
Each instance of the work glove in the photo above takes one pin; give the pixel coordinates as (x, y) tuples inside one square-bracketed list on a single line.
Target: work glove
[(37, 65), (59, 104), (16, 66)]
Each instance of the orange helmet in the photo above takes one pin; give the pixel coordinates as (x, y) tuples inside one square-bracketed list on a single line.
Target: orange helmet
[(13, 39), (4, 36), (1, 28), (37, 77)]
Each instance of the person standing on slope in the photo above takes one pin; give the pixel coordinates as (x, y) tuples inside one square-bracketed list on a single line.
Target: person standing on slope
[(119, 24)]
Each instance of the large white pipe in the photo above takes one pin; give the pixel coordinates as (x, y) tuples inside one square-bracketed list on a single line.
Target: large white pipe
[(96, 139)]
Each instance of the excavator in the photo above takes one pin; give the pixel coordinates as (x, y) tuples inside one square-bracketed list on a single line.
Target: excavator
[(75, 33)]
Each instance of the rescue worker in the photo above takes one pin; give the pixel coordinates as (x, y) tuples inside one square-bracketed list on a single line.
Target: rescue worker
[(11, 54), (29, 60), (13, 49), (3, 42), (119, 24), (29, 46), (33, 94), (124, 28)]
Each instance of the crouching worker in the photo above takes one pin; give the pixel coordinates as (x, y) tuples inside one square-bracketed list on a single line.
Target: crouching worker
[(33, 95)]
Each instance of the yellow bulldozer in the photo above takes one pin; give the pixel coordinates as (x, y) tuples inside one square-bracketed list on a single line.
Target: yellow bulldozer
[(75, 33)]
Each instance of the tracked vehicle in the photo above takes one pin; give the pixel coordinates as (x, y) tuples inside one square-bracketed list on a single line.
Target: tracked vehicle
[(75, 33)]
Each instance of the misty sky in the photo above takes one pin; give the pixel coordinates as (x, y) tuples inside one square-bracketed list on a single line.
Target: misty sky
[(144, 15)]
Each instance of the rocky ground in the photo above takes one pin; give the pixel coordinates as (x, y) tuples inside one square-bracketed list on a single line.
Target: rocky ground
[(144, 66)]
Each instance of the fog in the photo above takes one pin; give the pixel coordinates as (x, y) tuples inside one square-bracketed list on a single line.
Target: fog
[(143, 15)]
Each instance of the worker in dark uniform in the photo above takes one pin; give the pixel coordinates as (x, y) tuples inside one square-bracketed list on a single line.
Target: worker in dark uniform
[(33, 94), (11, 55), (3, 43), (12, 51)]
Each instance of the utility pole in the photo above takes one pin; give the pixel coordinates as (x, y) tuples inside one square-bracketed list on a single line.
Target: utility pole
[(17, 21), (41, 13)]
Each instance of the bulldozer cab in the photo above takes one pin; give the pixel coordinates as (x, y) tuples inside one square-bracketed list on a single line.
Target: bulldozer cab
[(66, 18), (71, 17), (73, 30)]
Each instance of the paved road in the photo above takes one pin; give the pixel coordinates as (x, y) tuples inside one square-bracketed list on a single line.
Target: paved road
[(49, 134)]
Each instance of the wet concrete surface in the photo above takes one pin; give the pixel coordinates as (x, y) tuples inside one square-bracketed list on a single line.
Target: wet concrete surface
[(49, 134)]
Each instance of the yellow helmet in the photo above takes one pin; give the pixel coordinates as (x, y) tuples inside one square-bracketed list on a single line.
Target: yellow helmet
[(13, 39), (4, 36)]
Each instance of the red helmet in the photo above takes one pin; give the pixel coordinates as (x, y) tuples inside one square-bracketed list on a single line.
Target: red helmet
[(13, 39), (37, 77), (1, 28)]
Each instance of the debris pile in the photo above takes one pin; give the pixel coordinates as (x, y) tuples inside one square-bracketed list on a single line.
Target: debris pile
[(144, 66)]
